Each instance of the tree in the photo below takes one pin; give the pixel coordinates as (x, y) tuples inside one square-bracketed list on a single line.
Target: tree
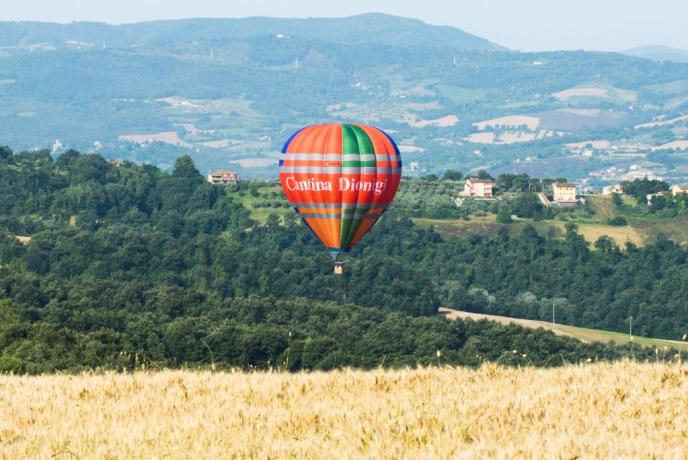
[(5, 152), (66, 160), (616, 200), (452, 174), (184, 167), (86, 168), (482, 174), (504, 215)]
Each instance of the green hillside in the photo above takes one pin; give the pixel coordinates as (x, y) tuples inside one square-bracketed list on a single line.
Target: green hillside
[(371, 28)]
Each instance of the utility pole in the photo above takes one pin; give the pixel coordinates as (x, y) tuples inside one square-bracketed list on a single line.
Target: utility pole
[(630, 327)]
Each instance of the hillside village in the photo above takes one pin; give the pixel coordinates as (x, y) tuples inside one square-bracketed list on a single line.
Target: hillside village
[(480, 203), (561, 193)]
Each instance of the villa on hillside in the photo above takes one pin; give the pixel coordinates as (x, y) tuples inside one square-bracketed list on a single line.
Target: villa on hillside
[(678, 189), (564, 193), (477, 188), (223, 176)]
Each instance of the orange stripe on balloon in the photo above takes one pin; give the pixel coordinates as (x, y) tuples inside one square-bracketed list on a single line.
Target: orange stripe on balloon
[(362, 229)]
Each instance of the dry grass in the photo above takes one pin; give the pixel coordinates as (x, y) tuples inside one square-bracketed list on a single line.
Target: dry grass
[(592, 232), (596, 411)]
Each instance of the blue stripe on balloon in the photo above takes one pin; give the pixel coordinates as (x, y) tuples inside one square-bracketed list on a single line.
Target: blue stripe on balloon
[(396, 148), (286, 144)]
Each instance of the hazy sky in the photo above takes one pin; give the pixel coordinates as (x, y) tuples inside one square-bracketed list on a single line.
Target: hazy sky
[(518, 24)]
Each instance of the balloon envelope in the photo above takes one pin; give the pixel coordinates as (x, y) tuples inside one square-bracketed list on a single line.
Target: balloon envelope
[(340, 178)]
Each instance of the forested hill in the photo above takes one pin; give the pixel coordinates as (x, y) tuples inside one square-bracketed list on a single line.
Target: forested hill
[(119, 266)]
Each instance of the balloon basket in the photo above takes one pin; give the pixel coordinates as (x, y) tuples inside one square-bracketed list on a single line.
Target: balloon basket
[(338, 268)]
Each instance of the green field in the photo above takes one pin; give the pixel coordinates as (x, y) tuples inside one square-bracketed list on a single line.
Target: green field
[(262, 205), (458, 94)]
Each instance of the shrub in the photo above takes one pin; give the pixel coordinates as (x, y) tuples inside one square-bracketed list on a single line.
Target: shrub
[(618, 221)]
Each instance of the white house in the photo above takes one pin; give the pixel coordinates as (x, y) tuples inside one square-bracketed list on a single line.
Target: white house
[(477, 188), (564, 193), (222, 176)]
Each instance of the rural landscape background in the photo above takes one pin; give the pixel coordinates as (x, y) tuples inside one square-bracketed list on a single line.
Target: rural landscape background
[(230, 91), (155, 313)]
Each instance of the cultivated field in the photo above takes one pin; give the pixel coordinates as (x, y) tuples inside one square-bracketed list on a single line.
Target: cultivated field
[(610, 93), (624, 410), (593, 232)]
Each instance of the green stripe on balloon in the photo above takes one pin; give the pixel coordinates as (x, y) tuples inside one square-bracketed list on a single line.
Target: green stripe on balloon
[(355, 141), (359, 164)]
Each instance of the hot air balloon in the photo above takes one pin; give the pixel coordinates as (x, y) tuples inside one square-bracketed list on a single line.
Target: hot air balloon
[(340, 178)]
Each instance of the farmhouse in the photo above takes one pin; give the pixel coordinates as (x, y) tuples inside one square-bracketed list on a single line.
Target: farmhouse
[(564, 193), (223, 176), (678, 189), (477, 188)]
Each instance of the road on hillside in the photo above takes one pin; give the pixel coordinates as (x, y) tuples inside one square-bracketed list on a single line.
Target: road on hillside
[(583, 334), (529, 323)]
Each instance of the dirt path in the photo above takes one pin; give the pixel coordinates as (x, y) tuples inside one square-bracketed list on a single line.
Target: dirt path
[(529, 323), (583, 334)]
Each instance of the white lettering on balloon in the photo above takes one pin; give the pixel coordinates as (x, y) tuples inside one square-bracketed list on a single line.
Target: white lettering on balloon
[(344, 185)]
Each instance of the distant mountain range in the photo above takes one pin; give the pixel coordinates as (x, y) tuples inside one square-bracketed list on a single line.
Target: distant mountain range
[(659, 53), (372, 28), (230, 91)]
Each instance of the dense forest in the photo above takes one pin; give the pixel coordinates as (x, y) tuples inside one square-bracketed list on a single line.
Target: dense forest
[(124, 266)]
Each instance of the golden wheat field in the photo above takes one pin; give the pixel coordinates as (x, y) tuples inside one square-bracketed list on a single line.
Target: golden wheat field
[(594, 411)]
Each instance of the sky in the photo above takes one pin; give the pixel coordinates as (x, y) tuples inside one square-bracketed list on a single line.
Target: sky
[(526, 25)]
